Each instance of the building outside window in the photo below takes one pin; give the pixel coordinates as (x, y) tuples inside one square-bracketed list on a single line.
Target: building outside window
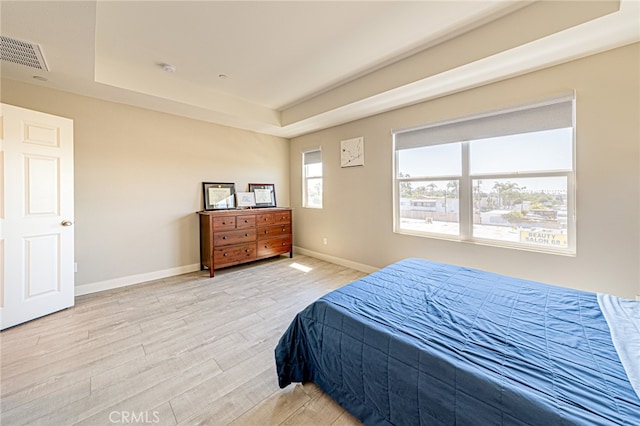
[(505, 178)]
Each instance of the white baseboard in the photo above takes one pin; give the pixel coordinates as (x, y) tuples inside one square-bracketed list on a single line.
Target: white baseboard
[(134, 279), (338, 261), (156, 275)]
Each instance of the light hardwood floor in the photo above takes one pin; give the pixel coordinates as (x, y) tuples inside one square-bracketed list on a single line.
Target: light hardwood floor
[(184, 350)]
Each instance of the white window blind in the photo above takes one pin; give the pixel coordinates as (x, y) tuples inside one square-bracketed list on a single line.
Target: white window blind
[(555, 114), (312, 157)]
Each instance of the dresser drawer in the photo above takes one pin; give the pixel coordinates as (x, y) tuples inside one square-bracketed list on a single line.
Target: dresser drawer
[(246, 221), (273, 231), (226, 256), (224, 223), (282, 217), (274, 218), (274, 246), (265, 219), (226, 238)]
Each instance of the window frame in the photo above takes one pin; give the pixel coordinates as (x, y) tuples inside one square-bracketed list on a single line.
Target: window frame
[(465, 188), (306, 178)]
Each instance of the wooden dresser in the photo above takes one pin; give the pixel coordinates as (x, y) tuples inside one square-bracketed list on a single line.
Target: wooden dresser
[(232, 237)]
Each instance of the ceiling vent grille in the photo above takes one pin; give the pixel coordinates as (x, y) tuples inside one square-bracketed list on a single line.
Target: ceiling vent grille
[(22, 53)]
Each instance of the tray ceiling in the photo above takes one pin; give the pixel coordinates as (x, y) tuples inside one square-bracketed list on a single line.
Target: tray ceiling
[(289, 68)]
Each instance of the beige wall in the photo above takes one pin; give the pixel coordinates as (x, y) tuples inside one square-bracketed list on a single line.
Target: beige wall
[(139, 173), (357, 214), (138, 179)]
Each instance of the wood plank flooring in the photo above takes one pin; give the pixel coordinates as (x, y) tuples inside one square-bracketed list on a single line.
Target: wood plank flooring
[(185, 350)]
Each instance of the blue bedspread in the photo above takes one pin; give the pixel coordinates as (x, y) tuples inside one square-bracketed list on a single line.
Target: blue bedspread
[(426, 343)]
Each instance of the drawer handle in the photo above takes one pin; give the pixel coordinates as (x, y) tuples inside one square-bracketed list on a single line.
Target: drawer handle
[(283, 244), (246, 250), (224, 223), (283, 228), (224, 254), (224, 238), (266, 232), (246, 221), (246, 235), (266, 246)]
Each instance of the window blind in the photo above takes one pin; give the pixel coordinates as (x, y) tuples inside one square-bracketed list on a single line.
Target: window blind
[(312, 157), (555, 114)]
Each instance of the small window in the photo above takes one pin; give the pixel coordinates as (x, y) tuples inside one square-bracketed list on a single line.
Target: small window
[(312, 178), (505, 178)]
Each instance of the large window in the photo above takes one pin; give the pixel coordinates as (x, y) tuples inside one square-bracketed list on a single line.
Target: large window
[(312, 178), (505, 178)]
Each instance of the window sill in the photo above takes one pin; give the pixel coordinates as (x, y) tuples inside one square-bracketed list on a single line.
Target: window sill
[(490, 243)]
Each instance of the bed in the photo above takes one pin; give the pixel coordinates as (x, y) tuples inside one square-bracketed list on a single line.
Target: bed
[(427, 343)]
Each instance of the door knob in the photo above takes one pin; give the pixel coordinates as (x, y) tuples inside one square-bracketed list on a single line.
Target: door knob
[(66, 223)]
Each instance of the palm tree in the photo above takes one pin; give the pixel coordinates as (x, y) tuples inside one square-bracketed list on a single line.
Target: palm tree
[(451, 189), (498, 187), (506, 192), (405, 187), (477, 197)]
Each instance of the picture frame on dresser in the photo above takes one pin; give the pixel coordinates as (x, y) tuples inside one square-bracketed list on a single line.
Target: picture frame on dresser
[(246, 199), (219, 195), (265, 194)]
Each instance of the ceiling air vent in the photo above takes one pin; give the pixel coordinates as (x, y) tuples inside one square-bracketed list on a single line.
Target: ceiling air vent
[(22, 53)]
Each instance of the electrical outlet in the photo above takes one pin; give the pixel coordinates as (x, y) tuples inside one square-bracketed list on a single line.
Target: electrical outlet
[(324, 241), (75, 266)]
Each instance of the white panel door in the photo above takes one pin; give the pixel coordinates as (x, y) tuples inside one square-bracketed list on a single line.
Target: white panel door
[(36, 215)]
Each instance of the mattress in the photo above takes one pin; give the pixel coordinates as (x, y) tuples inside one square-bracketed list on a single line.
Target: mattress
[(427, 343)]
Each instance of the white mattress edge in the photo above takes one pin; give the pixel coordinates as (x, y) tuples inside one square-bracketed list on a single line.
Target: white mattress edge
[(623, 318)]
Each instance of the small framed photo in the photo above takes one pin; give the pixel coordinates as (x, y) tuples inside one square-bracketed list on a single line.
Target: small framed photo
[(265, 194), (219, 196), (246, 199)]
